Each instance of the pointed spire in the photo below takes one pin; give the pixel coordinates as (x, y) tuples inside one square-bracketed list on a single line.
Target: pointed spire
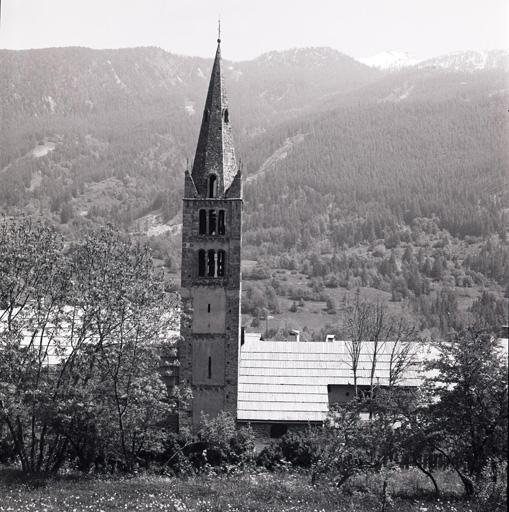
[(215, 154)]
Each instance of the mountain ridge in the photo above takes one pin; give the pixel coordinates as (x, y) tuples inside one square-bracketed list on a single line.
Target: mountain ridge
[(459, 60), (132, 116)]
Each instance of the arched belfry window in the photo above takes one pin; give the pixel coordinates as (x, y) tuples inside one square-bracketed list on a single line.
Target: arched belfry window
[(212, 222), (203, 222), (211, 263), (212, 185), (226, 116), (201, 262), (221, 257), (220, 223)]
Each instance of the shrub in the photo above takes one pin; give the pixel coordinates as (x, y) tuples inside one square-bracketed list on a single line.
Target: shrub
[(298, 448), (222, 443), (175, 456), (218, 443), (7, 451), (270, 457), (491, 490), (330, 305)]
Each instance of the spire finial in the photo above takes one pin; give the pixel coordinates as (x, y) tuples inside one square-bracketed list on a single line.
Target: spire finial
[(219, 29)]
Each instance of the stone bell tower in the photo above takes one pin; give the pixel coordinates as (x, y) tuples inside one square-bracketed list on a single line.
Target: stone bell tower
[(211, 280)]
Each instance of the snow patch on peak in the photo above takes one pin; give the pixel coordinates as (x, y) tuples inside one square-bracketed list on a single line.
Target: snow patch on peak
[(389, 60)]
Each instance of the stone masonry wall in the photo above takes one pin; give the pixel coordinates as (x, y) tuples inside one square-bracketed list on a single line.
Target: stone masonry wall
[(223, 347)]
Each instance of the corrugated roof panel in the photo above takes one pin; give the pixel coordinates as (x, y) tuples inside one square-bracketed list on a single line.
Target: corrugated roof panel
[(305, 363), (283, 397), (287, 381), (280, 388), (285, 406), (290, 371), (275, 379), (262, 415)]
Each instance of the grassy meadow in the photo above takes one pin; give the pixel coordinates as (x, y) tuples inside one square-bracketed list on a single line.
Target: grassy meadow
[(311, 316), (407, 491)]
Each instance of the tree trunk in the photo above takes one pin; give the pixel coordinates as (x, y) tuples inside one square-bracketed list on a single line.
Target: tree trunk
[(467, 483), (430, 476)]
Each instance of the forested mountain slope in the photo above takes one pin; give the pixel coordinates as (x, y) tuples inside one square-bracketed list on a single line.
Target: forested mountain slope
[(336, 155), (132, 116), (381, 164)]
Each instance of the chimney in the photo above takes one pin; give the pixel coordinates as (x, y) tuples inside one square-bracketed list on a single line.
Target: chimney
[(329, 337), (295, 333)]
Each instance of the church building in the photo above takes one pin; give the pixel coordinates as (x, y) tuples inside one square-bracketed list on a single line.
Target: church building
[(211, 278), (272, 385)]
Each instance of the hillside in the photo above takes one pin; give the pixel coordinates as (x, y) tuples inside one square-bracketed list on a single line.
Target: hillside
[(133, 115), (337, 156)]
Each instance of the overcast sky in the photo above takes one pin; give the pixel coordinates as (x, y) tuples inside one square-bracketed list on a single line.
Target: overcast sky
[(359, 28)]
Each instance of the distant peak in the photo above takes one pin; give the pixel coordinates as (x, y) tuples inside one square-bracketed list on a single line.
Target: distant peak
[(390, 59)]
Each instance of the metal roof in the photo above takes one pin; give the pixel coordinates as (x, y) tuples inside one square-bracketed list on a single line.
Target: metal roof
[(287, 380)]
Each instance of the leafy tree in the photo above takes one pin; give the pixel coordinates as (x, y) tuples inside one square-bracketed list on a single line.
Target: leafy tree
[(468, 415), (437, 269), (347, 445), (83, 330), (490, 311), (331, 305)]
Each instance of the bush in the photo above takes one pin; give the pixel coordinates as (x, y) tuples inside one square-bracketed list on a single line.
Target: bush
[(331, 305), (7, 451), (492, 485), (175, 457), (270, 457), (218, 444), (257, 273), (296, 448)]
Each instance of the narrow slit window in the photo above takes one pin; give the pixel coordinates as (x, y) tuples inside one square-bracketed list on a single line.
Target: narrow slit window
[(211, 263), (212, 185), (221, 257), (201, 262), (220, 223), (208, 308), (212, 222), (226, 116), (210, 368), (203, 222)]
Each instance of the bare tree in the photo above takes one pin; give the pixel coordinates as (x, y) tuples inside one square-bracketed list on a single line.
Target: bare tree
[(376, 333)]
